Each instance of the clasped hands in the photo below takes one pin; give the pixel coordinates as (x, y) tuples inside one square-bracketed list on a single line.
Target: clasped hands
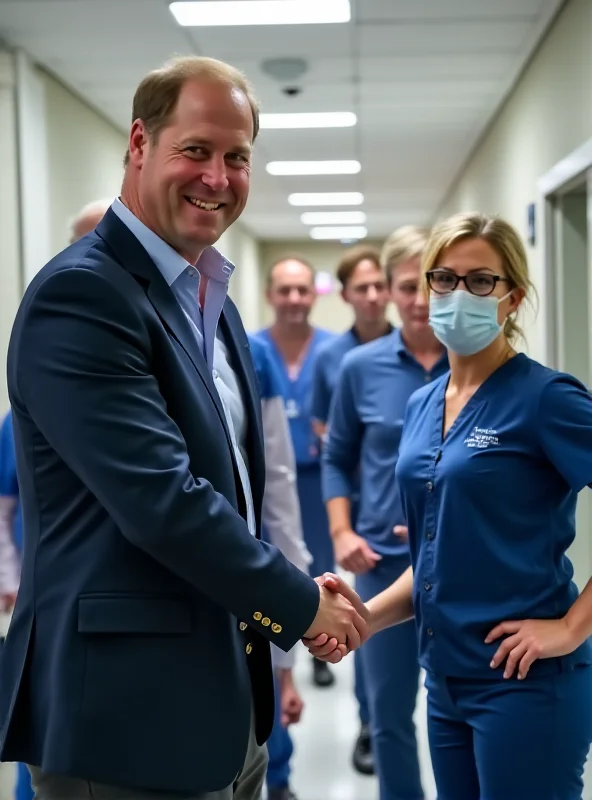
[(341, 623)]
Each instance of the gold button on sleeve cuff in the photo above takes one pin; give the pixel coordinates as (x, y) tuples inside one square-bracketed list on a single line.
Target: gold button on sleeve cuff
[(266, 621)]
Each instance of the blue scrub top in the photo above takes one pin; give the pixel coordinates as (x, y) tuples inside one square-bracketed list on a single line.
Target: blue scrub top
[(491, 511), (298, 396), (326, 374), (8, 476), (268, 376), (365, 425)]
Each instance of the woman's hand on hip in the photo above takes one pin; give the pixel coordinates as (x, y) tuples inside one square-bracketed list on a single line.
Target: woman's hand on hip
[(528, 640)]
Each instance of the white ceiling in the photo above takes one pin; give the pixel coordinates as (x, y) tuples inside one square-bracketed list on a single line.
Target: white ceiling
[(423, 76)]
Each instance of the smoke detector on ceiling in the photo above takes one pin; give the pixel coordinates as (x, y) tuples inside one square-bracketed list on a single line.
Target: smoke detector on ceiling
[(285, 69)]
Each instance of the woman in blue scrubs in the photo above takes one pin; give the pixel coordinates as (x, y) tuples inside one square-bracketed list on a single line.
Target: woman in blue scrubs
[(365, 424), (492, 459)]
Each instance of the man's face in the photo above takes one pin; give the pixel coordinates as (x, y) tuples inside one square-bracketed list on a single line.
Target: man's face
[(291, 293), (194, 178), (367, 292)]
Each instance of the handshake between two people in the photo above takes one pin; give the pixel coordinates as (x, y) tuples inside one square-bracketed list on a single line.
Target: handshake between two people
[(341, 624)]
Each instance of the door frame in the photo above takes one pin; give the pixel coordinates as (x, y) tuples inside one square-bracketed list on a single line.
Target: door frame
[(558, 180)]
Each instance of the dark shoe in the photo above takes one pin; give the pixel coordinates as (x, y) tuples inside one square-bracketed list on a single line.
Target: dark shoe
[(280, 793), (363, 758), (321, 674)]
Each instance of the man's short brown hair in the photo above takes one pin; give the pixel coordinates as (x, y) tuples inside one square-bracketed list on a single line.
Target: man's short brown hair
[(157, 95), (352, 257)]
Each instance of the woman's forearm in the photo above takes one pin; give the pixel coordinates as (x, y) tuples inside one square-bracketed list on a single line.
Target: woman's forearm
[(579, 616), (394, 605)]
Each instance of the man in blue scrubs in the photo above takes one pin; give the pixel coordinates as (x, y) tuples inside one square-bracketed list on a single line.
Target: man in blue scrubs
[(364, 287), (282, 526), (294, 345), (364, 431), (11, 543)]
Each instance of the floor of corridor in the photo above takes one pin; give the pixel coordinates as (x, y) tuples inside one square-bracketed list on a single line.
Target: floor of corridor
[(322, 768)]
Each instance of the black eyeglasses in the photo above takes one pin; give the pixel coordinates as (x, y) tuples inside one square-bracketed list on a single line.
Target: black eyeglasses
[(480, 283)]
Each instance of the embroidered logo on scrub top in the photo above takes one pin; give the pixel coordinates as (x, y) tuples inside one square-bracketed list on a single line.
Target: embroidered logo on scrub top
[(292, 410), (482, 438)]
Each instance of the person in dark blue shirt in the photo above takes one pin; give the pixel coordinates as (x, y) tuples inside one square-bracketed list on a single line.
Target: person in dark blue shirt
[(491, 462), (364, 287), (365, 423)]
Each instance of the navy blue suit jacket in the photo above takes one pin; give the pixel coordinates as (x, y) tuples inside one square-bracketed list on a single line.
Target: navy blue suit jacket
[(141, 632)]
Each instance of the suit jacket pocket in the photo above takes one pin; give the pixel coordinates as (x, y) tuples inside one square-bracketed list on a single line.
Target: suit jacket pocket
[(133, 614)]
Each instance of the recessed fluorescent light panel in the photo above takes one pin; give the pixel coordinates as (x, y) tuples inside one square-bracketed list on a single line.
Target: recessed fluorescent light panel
[(333, 218), (313, 167), (260, 12), (351, 233), (321, 119), (326, 199)]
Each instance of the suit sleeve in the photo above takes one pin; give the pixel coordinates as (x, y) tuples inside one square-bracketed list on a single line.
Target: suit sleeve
[(84, 374)]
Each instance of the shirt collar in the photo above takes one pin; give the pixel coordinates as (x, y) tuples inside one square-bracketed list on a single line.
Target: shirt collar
[(400, 347), (354, 334), (170, 263)]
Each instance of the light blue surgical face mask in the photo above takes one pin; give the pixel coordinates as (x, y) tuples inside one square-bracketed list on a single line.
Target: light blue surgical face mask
[(465, 323)]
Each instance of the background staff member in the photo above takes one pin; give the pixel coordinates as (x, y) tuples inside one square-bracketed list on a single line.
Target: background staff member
[(364, 431), (294, 344), (364, 287), (11, 545), (492, 460), (281, 525)]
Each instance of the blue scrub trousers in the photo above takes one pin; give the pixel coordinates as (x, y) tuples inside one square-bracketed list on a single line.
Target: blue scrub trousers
[(391, 670), (315, 524), (510, 740), (279, 749)]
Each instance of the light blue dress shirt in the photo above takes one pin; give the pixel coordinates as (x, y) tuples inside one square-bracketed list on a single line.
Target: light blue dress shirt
[(183, 278)]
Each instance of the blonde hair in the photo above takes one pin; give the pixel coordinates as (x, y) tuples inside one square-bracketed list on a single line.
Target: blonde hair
[(501, 236), (402, 245), (156, 97)]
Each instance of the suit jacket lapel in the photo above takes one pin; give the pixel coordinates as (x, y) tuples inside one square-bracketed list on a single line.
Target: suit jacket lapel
[(135, 259)]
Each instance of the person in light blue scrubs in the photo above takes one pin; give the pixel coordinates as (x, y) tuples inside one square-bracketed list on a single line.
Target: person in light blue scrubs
[(492, 459), (364, 287), (11, 545), (364, 431), (281, 525), (294, 345)]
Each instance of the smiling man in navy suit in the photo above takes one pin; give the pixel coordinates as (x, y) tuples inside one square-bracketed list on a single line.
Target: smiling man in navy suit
[(137, 661)]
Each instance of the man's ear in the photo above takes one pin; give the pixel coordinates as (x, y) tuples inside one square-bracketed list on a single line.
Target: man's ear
[(138, 141)]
